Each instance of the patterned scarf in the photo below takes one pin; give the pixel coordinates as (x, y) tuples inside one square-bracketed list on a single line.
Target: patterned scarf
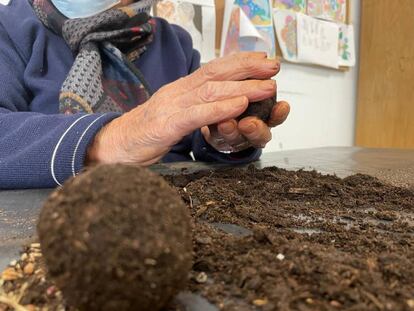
[(102, 78)]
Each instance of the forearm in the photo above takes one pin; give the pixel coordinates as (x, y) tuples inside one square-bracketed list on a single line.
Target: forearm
[(40, 151)]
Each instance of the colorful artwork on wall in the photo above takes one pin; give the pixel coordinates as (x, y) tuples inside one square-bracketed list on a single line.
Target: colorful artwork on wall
[(346, 45), (320, 40), (332, 10), (292, 5), (232, 39), (198, 20), (250, 21), (257, 11), (285, 23)]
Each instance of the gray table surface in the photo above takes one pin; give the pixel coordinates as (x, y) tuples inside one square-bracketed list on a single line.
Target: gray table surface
[(19, 209)]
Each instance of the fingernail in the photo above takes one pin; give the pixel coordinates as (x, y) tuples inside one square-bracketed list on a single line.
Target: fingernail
[(275, 63), (251, 127), (227, 128), (285, 109)]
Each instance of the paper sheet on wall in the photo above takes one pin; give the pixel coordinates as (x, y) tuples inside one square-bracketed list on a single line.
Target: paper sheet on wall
[(332, 10), (346, 45), (285, 24), (317, 41), (292, 5), (248, 27), (230, 39), (197, 18)]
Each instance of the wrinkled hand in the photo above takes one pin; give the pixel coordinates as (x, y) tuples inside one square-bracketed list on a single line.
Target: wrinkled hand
[(215, 94), (235, 136)]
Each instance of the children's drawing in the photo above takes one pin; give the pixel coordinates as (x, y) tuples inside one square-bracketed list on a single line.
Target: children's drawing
[(333, 10), (233, 33), (317, 41), (268, 35), (181, 13), (286, 29), (185, 18), (293, 5), (257, 11), (346, 45), (249, 27), (264, 41), (315, 8), (197, 19), (166, 10)]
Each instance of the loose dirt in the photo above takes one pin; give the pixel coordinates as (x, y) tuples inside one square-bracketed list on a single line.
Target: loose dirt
[(273, 239)]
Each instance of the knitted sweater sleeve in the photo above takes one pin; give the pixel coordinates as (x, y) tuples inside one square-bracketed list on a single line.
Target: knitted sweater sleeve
[(37, 150)]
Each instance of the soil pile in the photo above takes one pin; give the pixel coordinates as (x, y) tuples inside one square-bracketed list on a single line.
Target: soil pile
[(273, 239)]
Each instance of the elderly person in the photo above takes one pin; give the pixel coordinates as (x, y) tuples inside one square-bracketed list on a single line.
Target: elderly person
[(100, 81)]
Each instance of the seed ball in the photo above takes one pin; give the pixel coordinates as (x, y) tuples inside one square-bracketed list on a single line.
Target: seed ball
[(116, 237), (261, 109)]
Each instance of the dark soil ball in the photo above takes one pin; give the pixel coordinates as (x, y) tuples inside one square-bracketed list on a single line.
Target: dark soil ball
[(261, 109), (117, 237)]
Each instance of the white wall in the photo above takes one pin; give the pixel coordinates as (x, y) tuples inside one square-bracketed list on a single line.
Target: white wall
[(323, 103)]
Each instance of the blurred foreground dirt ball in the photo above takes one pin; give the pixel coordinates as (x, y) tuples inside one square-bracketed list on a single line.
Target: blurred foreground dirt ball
[(116, 237)]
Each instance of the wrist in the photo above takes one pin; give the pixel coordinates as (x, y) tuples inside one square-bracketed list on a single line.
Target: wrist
[(105, 145)]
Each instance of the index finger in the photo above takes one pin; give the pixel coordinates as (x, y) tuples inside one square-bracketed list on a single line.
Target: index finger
[(237, 67)]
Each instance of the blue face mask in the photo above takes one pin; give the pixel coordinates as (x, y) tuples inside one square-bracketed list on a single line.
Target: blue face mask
[(83, 8)]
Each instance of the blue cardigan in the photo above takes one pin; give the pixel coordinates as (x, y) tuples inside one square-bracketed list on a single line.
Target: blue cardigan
[(41, 148)]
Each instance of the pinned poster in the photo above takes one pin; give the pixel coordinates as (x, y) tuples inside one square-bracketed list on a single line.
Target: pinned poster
[(286, 29), (259, 12), (292, 5), (197, 18), (317, 41), (230, 37), (248, 26), (346, 45), (332, 10)]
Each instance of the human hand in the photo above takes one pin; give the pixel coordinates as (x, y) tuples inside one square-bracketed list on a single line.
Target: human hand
[(251, 129), (216, 93), (238, 134)]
